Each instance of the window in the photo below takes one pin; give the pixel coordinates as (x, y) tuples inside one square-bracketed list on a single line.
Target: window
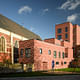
[(40, 51), (66, 35), (2, 44), (66, 55), (59, 55), (59, 30), (16, 45), (57, 63), (54, 54), (63, 55), (64, 62), (66, 29), (21, 52), (59, 37), (27, 52), (49, 52)]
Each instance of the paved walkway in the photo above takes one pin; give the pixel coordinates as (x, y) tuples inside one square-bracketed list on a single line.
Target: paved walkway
[(66, 77)]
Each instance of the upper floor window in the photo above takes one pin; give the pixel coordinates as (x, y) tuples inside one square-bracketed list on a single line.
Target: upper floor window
[(63, 55), (40, 51), (16, 44), (27, 52), (21, 52), (59, 55), (2, 44), (54, 54), (66, 35), (66, 29), (59, 30), (49, 52), (59, 37)]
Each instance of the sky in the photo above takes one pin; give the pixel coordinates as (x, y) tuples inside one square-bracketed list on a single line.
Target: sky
[(41, 16)]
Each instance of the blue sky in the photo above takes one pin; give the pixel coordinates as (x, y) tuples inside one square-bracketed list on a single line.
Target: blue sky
[(41, 16)]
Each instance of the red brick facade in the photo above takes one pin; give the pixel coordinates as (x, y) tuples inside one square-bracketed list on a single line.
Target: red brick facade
[(43, 61)]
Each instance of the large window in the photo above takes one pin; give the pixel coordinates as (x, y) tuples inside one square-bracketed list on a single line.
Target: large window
[(21, 52), (63, 55), (49, 52), (66, 29), (2, 44), (59, 30), (59, 37), (28, 52), (54, 54), (66, 35)]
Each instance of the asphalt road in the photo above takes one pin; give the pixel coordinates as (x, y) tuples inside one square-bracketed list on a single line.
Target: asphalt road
[(66, 77)]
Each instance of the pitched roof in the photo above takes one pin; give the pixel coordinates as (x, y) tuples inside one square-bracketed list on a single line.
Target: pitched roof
[(11, 26)]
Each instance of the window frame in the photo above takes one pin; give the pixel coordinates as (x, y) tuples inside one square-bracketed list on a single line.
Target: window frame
[(59, 30), (49, 52), (55, 54), (21, 54), (40, 50), (28, 54), (66, 29)]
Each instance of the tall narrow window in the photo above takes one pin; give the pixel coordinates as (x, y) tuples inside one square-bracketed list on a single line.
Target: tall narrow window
[(28, 52), (59, 55), (49, 52), (40, 51), (63, 55), (2, 44), (54, 54), (21, 52), (66, 29), (66, 36)]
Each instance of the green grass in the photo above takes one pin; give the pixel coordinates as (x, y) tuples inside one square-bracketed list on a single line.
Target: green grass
[(69, 69)]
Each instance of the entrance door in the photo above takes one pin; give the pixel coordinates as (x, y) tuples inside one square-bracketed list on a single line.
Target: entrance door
[(45, 66), (52, 64)]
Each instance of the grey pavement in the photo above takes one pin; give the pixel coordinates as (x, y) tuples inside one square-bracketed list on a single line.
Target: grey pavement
[(65, 77)]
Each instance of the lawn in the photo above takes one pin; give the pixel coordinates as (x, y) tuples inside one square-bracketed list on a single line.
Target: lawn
[(69, 69)]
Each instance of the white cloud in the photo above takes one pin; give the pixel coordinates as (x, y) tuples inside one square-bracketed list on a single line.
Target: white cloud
[(26, 9), (44, 11), (31, 28), (70, 4), (72, 18)]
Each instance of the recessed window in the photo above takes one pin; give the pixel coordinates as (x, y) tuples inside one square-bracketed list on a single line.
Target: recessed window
[(63, 55), (2, 44), (49, 52), (57, 63), (66, 29), (66, 35), (54, 54), (21, 52), (59, 55), (28, 52), (59, 30), (59, 37), (64, 62), (40, 51)]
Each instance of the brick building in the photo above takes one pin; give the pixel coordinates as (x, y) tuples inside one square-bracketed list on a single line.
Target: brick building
[(10, 35), (18, 44)]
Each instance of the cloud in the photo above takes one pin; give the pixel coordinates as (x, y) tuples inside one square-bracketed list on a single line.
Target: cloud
[(31, 28), (44, 11), (70, 4), (26, 9), (72, 18)]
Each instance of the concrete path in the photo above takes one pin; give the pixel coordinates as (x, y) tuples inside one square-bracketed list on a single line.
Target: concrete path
[(66, 77)]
